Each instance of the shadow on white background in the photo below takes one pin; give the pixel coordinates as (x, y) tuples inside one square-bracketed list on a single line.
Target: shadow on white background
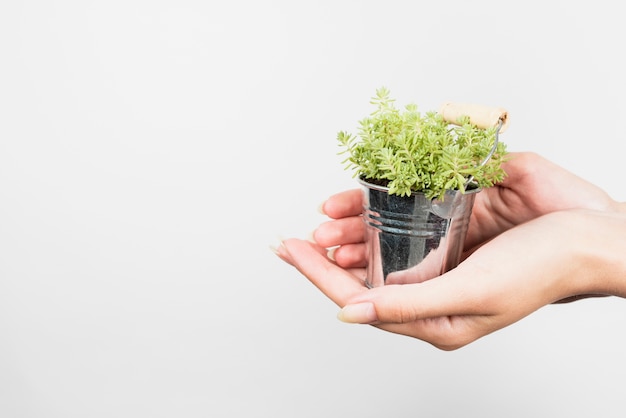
[(152, 152)]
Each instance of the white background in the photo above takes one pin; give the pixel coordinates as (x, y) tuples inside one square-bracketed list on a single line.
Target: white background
[(151, 152)]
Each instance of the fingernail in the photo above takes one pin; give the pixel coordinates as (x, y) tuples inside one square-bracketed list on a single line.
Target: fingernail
[(280, 251), (320, 208), (359, 313), (331, 253)]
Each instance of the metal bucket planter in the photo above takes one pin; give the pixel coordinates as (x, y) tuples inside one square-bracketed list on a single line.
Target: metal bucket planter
[(410, 239)]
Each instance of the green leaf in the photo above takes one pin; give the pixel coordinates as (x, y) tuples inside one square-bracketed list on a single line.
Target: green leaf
[(418, 152)]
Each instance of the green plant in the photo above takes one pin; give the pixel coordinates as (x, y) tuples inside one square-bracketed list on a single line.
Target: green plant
[(408, 151)]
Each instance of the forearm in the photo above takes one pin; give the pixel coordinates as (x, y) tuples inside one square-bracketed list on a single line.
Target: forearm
[(559, 257), (598, 252)]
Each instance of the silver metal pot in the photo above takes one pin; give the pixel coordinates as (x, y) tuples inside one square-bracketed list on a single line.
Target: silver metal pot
[(410, 239)]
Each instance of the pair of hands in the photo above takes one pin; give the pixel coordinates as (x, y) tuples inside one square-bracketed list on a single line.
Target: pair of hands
[(541, 236)]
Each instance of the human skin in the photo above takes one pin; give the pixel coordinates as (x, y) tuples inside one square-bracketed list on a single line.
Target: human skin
[(541, 236)]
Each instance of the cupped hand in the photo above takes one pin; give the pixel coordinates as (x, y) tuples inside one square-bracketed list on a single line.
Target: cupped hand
[(550, 258)]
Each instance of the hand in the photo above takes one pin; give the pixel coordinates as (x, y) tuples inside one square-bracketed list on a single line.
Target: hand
[(548, 259), (513, 271), (533, 187)]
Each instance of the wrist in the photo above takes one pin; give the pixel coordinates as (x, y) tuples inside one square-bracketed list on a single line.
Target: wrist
[(601, 246)]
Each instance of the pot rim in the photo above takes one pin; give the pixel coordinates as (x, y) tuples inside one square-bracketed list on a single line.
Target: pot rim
[(472, 187)]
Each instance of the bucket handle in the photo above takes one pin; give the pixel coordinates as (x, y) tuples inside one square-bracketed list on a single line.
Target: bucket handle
[(481, 116)]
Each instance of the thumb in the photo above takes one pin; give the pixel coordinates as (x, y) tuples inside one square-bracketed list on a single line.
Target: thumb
[(448, 294), (493, 281)]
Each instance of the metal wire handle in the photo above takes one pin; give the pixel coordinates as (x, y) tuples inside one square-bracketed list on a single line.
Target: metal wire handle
[(491, 152)]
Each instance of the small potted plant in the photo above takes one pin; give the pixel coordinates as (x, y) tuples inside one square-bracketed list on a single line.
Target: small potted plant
[(420, 174)]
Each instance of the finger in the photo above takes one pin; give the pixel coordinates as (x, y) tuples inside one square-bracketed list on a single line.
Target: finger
[(447, 295), (344, 204), (349, 256), (281, 251), (349, 230), (444, 332), (448, 312), (336, 283)]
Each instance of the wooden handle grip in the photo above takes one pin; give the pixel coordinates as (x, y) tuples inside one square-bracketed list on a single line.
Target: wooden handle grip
[(481, 116)]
